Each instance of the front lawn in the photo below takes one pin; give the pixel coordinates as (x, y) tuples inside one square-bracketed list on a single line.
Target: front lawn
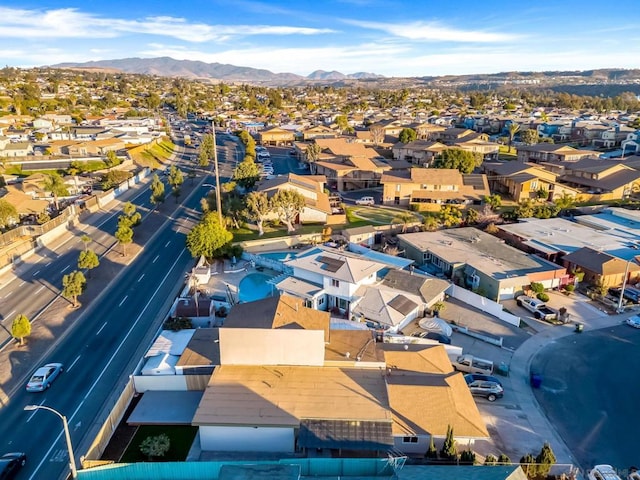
[(180, 436)]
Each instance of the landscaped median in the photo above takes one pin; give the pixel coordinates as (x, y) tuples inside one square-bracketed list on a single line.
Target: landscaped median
[(153, 155)]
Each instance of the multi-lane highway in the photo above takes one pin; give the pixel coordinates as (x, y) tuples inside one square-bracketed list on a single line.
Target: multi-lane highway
[(100, 349)]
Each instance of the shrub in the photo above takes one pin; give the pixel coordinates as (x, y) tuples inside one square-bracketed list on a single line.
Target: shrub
[(432, 453), (449, 449), (570, 288), (504, 460), (543, 297), (490, 460), (156, 446), (537, 287), (179, 323), (467, 456)]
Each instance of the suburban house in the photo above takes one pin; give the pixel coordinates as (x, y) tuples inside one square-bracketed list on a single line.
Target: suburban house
[(349, 165), (479, 261), (546, 152), (94, 147), (276, 136), (631, 143), (17, 149), (288, 382), (318, 131), (430, 188), (317, 206), (614, 231), (478, 143), (418, 152), (603, 269), (328, 279), (525, 181), (24, 204)]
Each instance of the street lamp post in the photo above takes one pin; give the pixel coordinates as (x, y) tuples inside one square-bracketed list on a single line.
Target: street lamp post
[(72, 458)]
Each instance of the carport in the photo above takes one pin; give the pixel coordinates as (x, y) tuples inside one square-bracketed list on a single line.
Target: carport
[(165, 408)]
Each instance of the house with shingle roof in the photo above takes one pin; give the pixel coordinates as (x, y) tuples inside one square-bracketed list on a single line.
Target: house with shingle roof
[(419, 152), (546, 152), (349, 165), (276, 136), (430, 188), (600, 268), (292, 385)]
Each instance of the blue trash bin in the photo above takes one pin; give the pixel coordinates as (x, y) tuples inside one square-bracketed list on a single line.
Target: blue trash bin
[(536, 380)]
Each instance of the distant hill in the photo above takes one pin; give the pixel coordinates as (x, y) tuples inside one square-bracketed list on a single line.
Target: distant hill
[(169, 67)]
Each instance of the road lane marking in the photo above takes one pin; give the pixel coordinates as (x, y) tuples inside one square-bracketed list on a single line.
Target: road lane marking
[(36, 273), (167, 244), (123, 300), (65, 268), (141, 277), (34, 412), (75, 361), (48, 264), (10, 313), (101, 328), (8, 294), (40, 289), (155, 259), (22, 283)]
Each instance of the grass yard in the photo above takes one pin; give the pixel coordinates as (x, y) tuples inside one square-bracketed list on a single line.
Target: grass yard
[(181, 437), (359, 216), (154, 156)]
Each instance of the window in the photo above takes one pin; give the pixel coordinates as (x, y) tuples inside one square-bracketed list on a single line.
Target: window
[(409, 439), (534, 185), (397, 187), (426, 256), (335, 283), (321, 301)]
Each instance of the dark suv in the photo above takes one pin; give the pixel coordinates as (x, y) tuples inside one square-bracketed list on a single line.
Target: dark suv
[(10, 465)]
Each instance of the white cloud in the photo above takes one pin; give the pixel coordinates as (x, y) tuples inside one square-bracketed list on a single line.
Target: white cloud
[(72, 23), (433, 32)]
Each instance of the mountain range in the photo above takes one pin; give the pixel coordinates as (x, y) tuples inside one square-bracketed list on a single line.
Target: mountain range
[(167, 66)]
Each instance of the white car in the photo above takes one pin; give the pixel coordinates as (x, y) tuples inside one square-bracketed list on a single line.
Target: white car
[(365, 201), (633, 321), (44, 377)]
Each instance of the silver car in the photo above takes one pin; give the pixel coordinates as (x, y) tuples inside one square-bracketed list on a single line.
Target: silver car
[(489, 390), (44, 377)]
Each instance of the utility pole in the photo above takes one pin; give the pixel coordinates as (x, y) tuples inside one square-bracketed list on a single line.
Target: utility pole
[(215, 166)]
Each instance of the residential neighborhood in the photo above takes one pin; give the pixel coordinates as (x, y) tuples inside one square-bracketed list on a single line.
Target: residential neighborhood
[(338, 278)]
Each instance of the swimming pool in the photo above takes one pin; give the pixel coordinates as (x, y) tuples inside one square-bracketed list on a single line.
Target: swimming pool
[(254, 287), (279, 256)]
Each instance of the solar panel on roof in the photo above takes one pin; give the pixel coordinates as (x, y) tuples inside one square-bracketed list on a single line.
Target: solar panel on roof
[(402, 304), (475, 181), (331, 264)]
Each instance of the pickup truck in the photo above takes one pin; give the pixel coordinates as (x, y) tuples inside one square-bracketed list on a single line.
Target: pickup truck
[(537, 307), (470, 364)]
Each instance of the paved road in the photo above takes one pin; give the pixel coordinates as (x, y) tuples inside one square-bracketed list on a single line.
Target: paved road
[(590, 393), (100, 349)]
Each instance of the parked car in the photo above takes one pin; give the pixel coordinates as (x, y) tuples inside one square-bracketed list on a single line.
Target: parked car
[(473, 377), (489, 390), (11, 464), (537, 307), (44, 377), (602, 472), (633, 321), (470, 364), (365, 201)]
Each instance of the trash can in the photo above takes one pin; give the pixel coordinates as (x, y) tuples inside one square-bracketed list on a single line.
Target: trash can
[(579, 327), (536, 380), (503, 369)]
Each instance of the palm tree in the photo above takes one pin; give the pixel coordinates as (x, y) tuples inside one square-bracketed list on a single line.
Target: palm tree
[(53, 183), (513, 128)]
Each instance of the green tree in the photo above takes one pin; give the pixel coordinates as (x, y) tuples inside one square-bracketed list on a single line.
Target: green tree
[(343, 123), (157, 191), (471, 216), (8, 214), (468, 457), (20, 328), (130, 216), (156, 446), (565, 201), (450, 216), (513, 128), (503, 460), (449, 448), (494, 201), (207, 237), (72, 286), (312, 153), (430, 223), (288, 204), (55, 184), (176, 179), (247, 173), (545, 460), (407, 135), (432, 452), (459, 159), (490, 460), (203, 159), (529, 136), (258, 209), (111, 159), (528, 465), (404, 219), (124, 235), (88, 260), (207, 150)]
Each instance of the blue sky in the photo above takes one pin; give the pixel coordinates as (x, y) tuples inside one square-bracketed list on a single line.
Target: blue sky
[(392, 38)]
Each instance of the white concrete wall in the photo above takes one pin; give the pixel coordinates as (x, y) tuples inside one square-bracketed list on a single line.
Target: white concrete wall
[(247, 439), (483, 303), (173, 383)]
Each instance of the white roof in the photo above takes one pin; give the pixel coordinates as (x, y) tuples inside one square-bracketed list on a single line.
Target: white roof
[(170, 342)]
